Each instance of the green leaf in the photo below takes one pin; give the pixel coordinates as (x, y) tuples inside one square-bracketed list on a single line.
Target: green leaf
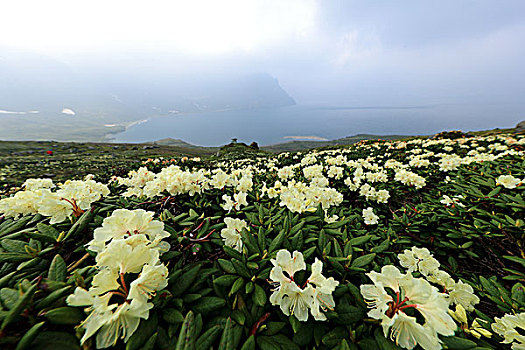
[(208, 304), (65, 315), (238, 284), (15, 225), (241, 268), (363, 260), (515, 259), (295, 323), (4, 280), (47, 230), (185, 281), (232, 252), (277, 241), (259, 297), (489, 288), (172, 316), (343, 345), (261, 238), (226, 265), (145, 330), (150, 344), (384, 343), (249, 344), (19, 306), (55, 341), (207, 339), (321, 242), (249, 241), (13, 245), (494, 191), (40, 237), (518, 293), (14, 257), (29, 336), (9, 297), (57, 269), (186, 340), (79, 225), (333, 337), (227, 336), (52, 297), (225, 280), (381, 247), (360, 240), (456, 343)]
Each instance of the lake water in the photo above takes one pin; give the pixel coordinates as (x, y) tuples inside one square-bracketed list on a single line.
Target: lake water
[(272, 125)]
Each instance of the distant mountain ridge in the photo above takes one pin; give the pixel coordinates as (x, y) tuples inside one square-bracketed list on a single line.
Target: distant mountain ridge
[(102, 102), (293, 146)]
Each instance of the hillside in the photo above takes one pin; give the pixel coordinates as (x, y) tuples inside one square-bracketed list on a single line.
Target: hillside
[(294, 146), (338, 248), (20, 160)]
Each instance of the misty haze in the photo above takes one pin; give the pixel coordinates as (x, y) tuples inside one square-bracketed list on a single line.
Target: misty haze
[(294, 70)]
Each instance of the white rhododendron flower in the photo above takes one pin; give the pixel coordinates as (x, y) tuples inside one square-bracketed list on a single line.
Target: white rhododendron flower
[(82, 193), (452, 201), (508, 181), (228, 203), (71, 199), (22, 203), (409, 178), (419, 259), (37, 184), (330, 219), (151, 279), (125, 257), (323, 288), (335, 172), (314, 296), (52, 205), (512, 329), (219, 179), (126, 247), (245, 184), (476, 330), (136, 181), (414, 294), (369, 216), (285, 173), (239, 199), (124, 223), (299, 197), (463, 294), (231, 234)]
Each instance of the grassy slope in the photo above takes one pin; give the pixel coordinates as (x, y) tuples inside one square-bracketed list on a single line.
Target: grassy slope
[(294, 146), (70, 160), (20, 160)]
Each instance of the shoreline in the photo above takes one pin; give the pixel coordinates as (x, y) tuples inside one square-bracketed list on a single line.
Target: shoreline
[(120, 128)]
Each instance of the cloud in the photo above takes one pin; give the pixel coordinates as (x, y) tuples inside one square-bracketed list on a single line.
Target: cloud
[(190, 27), (350, 52)]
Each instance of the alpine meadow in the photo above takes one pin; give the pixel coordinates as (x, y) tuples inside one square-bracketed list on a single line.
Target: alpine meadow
[(375, 245)]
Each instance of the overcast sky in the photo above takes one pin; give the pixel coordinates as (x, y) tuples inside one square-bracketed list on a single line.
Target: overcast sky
[(392, 53)]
